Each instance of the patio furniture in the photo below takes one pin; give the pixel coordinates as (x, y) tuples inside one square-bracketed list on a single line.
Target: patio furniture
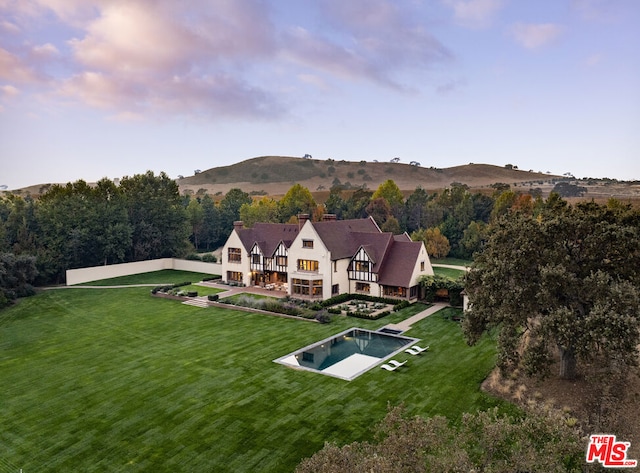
[(415, 350), (395, 363), (389, 367)]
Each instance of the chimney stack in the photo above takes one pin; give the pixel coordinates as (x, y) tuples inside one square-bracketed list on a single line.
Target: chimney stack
[(328, 217), (302, 219), (238, 225)]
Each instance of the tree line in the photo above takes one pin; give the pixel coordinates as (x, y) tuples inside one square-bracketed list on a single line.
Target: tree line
[(145, 217)]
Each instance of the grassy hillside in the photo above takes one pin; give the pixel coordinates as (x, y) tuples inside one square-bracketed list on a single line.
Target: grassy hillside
[(275, 174)]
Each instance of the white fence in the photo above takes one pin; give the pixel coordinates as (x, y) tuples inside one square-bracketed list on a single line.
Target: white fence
[(96, 273)]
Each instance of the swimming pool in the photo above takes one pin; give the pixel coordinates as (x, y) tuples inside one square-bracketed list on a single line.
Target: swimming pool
[(348, 354)]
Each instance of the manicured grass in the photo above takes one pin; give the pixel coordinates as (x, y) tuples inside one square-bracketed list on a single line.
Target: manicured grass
[(448, 272), (116, 380), (201, 290), (452, 261), (235, 297), (166, 276)]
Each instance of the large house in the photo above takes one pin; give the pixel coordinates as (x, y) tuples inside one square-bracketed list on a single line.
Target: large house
[(318, 260)]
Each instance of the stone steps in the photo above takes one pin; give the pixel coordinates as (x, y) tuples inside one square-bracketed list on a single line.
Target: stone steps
[(197, 303)]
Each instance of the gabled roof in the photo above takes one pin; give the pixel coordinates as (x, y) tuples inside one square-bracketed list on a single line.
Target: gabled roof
[(375, 244), (397, 267), (338, 235), (268, 236)]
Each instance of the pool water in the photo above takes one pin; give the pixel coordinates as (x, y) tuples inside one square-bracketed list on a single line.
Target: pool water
[(348, 354)]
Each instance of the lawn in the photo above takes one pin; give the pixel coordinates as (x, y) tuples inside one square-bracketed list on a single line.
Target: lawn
[(448, 272), (166, 276), (116, 380)]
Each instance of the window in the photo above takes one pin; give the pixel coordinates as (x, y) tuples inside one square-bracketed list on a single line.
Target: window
[(300, 286), (363, 287), (307, 243), (317, 288), (395, 291), (235, 255), (335, 289), (234, 276), (413, 292), (281, 260), (307, 265), (335, 266), (361, 266), (421, 265), (255, 258), (306, 287)]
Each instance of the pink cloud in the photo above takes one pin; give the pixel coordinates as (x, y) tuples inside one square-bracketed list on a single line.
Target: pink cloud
[(368, 40), (13, 68), (534, 36), (125, 56), (474, 13)]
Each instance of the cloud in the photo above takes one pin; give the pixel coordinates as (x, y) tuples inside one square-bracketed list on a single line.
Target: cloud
[(365, 40), (211, 96), (451, 86), (47, 50), (9, 27), (594, 60), (534, 36), (13, 69), (9, 90), (156, 56), (474, 13), (215, 58), (603, 10)]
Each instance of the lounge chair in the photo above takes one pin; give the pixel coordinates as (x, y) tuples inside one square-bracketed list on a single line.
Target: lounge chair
[(392, 365), (415, 350)]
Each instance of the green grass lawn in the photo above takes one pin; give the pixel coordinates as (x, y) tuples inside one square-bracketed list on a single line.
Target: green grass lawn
[(166, 276), (116, 380), (448, 272), (452, 261)]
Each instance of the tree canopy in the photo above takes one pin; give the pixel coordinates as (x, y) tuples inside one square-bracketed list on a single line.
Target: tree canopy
[(482, 442), (564, 280)]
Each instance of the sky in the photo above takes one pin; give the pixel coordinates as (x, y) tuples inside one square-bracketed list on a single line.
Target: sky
[(111, 88)]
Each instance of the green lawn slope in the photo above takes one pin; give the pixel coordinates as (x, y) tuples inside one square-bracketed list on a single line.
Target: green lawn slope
[(113, 380)]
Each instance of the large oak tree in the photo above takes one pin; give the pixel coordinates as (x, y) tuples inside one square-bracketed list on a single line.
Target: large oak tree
[(563, 281)]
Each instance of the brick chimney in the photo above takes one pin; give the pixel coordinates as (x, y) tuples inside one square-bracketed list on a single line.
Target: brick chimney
[(238, 225), (302, 219), (328, 217)]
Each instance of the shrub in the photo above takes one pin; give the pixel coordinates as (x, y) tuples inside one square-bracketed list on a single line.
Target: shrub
[(212, 278), (323, 316), (193, 257), (209, 258), (401, 305), (334, 310), (192, 293), (213, 297)]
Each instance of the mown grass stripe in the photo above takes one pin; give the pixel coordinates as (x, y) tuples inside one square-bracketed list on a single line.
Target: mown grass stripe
[(117, 380)]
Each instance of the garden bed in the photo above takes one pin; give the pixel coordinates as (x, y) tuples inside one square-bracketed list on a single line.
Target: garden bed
[(361, 309)]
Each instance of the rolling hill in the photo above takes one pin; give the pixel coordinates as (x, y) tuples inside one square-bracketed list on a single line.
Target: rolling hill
[(274, 175)]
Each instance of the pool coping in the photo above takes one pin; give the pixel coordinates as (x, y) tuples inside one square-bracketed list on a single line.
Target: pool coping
[(410, 341)]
